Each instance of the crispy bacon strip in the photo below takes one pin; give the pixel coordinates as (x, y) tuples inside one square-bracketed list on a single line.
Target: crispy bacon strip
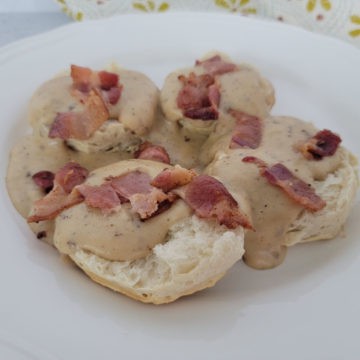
[(323, 143), (216, 65), (69, 190), (80, 125), (199, 97), (170, 179), (97, 90), (209, 198), (134, 182), (147, 204), (204, 194), (107, 80), (62, 196), (149, 151), (112, 96), (133, 186), (103, 82), (82, 78), (279, 175), (71, 175), (247, 132), (44, 180), (53, 204), (103, 197)]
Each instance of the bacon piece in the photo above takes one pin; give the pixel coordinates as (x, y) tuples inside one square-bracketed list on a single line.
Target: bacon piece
[(206, 113), (106, 83), (107, 80), (163, 206), (279, 175), (214, 96), (147, 204), (53, 204), (62, 196), (134, 182), (323, 143), (44, 179), (144, 198), (103, 197), (216, 65), (254, 160), (82, 78), (80, 125), (85, 79), (199, 97), (170, 179), (69, 190), (209, 198), (112, 96), (149, 151), (133, 186), (247, 132), (70, 175)]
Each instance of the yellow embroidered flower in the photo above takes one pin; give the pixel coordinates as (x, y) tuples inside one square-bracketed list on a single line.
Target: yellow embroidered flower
[(311, 5), (355, 19), (150, 6), (78, 16), (236, 6)]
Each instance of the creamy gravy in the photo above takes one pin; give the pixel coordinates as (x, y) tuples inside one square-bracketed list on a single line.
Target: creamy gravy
[(120, 235), (182, 145), (272, 211), (33, 154), (38, 153), (132, 117), (243, 90)]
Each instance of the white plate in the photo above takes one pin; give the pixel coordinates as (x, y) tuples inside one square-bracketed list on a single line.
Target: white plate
[(308, 308)]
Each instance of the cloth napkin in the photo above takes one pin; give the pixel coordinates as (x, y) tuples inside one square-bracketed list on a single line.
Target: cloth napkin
[(338, 18)]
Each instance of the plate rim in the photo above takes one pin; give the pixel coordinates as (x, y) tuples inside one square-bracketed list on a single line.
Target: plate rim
[(12, 47)]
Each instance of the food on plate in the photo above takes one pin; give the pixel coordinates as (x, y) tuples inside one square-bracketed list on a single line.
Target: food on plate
[(199, 97), (149, 151), (295, 197), (181, 144), (195, 256), (128, 227), (157, 197), (95, 111), (35, 154)]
